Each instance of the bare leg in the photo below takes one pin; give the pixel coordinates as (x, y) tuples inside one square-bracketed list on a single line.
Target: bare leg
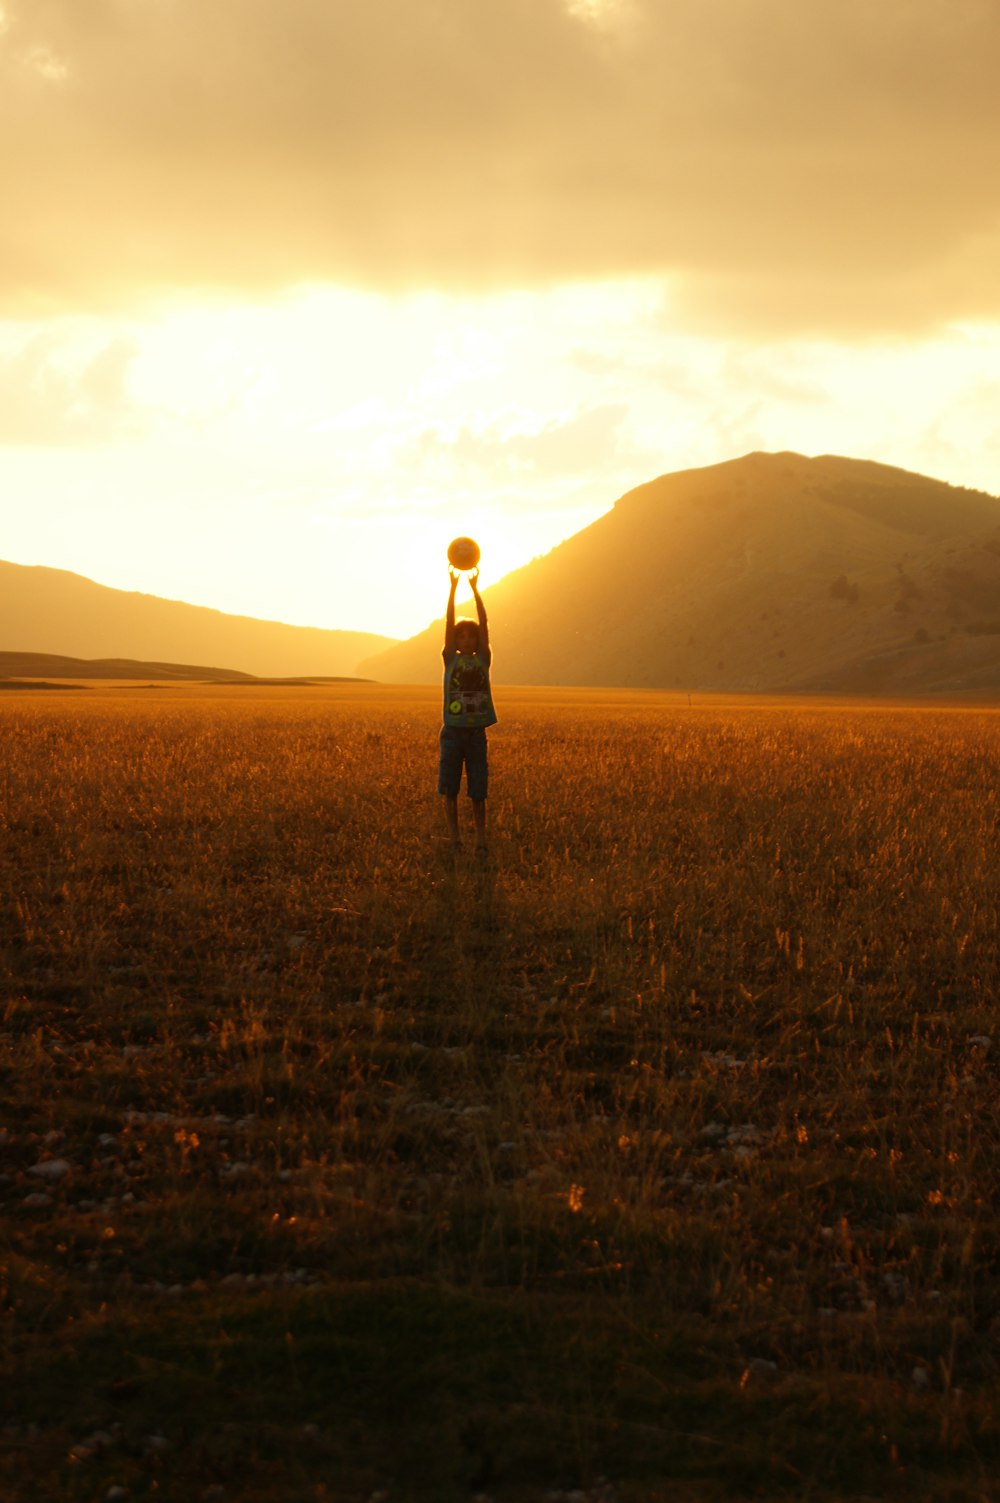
[(479, 819), (451, 815)]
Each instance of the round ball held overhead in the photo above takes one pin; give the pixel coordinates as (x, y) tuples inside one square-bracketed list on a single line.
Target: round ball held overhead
[(463, 553)]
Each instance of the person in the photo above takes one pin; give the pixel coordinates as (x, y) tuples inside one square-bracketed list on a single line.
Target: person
[(468, 710)]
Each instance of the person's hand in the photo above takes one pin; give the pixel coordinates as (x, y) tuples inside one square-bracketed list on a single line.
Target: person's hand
[(474, 578), (455, 576)]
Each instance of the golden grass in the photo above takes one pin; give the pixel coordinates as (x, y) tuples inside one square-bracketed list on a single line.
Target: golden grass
[(662, 1147)]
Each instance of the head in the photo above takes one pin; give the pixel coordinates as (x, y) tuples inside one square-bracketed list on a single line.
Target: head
[(467, 635)]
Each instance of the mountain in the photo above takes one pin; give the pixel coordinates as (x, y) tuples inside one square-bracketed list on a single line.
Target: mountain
[(15, 666), (770, 572), (54, 611)]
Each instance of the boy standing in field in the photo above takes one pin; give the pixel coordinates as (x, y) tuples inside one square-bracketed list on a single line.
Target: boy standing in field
[(468, 710)]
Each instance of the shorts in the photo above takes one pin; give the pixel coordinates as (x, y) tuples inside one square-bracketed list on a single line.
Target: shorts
[(463, 746)]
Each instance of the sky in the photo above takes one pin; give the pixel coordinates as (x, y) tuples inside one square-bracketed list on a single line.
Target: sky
[(294, 291)]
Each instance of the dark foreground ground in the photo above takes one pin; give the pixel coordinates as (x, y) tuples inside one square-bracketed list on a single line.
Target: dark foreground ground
[(654, 1158)]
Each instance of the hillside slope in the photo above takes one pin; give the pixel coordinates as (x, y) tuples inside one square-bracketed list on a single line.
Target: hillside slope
[(54, 611), (47, 665), (769, 572)]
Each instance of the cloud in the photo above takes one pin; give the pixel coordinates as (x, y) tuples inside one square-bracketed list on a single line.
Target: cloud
[(784, 166), (53, 393), (587, 441)]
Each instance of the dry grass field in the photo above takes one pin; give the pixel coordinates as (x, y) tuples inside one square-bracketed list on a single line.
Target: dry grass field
[(654, 1158)]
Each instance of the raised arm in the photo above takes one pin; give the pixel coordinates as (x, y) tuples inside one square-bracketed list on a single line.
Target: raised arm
[(449, 620), (484, 628)]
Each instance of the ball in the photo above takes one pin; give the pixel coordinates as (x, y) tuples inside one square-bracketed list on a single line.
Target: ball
[(463, 553)]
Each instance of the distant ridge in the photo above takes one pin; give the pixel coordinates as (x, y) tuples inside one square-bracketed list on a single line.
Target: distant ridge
[(767, 573), (54, 665), (18, 666), (57, 612)]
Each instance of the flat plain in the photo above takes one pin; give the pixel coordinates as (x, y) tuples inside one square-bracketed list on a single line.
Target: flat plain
[(654, 1157)]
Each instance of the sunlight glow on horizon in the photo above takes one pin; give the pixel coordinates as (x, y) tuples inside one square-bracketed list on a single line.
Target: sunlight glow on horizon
[(308, 460), (292, 295)]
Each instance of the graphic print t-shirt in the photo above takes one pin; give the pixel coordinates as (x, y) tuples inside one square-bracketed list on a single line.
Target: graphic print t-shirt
[(467, 697)]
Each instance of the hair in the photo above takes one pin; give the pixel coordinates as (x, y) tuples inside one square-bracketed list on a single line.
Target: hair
[(466, 623)]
